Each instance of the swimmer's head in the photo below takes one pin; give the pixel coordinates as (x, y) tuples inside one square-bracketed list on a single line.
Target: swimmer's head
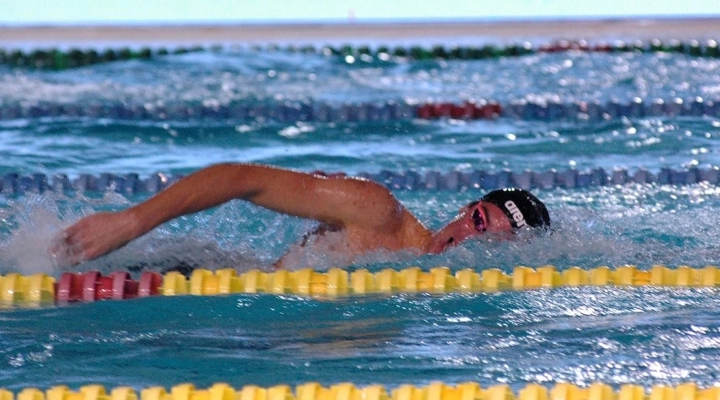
[(500, 212), (522, 208)]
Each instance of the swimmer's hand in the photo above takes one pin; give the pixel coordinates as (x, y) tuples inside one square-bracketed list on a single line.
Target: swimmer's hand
[(92, 237)]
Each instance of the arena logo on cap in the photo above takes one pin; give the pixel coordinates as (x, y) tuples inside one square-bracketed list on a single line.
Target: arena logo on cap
[(517, 215)]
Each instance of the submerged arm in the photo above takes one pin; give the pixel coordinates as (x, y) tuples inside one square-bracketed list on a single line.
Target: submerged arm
[(342, 202)]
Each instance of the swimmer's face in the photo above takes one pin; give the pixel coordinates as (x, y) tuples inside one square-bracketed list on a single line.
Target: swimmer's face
[(483, 218), (478, 218)]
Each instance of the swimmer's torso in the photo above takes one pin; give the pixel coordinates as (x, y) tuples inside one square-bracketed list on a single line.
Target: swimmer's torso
[(333, 246)]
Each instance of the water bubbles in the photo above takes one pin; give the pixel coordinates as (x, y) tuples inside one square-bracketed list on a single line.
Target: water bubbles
[(244, 128), (296, 130)]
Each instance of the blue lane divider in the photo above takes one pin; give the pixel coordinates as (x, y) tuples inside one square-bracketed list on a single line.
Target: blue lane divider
[(286, 112), (14, 184), (291, 112)]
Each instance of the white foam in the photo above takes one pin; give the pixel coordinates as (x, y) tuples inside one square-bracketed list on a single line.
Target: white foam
[(26, 250)]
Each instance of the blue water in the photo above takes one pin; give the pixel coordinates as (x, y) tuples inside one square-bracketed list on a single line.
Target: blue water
[(617, 336), (614, 335)]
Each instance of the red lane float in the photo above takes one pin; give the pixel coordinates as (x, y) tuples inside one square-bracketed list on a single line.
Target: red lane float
[(150, 283), (68, 288), (603, 47), (93, 286), (467, 110)]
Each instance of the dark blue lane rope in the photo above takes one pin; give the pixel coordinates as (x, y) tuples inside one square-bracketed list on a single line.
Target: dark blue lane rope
[(14, 184), (320, 112)]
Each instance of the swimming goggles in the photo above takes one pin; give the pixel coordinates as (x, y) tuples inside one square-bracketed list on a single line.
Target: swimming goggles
[(479, 220)]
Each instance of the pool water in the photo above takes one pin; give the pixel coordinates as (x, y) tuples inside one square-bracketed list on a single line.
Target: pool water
[(614, 335)]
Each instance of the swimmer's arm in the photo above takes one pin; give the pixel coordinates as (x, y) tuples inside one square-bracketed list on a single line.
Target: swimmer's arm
[(337, 201)]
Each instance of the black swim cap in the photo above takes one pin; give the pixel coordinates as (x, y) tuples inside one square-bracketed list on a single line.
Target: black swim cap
[(521, 207)]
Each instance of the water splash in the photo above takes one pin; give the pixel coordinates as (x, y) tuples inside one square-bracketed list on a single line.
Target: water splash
[(36, 224), (235, 235), (639, 225)]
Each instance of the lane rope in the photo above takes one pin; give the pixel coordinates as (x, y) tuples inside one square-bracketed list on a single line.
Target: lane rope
[(15, 184), (293, 111), (370, 112), (42, 289), (58, 59), (349, 391)]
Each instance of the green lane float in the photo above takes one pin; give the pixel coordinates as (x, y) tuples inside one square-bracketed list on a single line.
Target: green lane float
[(55, 59)]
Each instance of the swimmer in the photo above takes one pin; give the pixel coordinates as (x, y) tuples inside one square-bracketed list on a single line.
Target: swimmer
[(365, 214)]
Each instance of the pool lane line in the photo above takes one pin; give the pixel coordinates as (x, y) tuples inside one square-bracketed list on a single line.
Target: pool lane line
[(348, 391), (15, 184), (270, 111), (42, 289), (57, 59)]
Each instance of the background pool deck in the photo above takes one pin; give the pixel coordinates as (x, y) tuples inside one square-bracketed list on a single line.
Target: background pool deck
[(432, 32)]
